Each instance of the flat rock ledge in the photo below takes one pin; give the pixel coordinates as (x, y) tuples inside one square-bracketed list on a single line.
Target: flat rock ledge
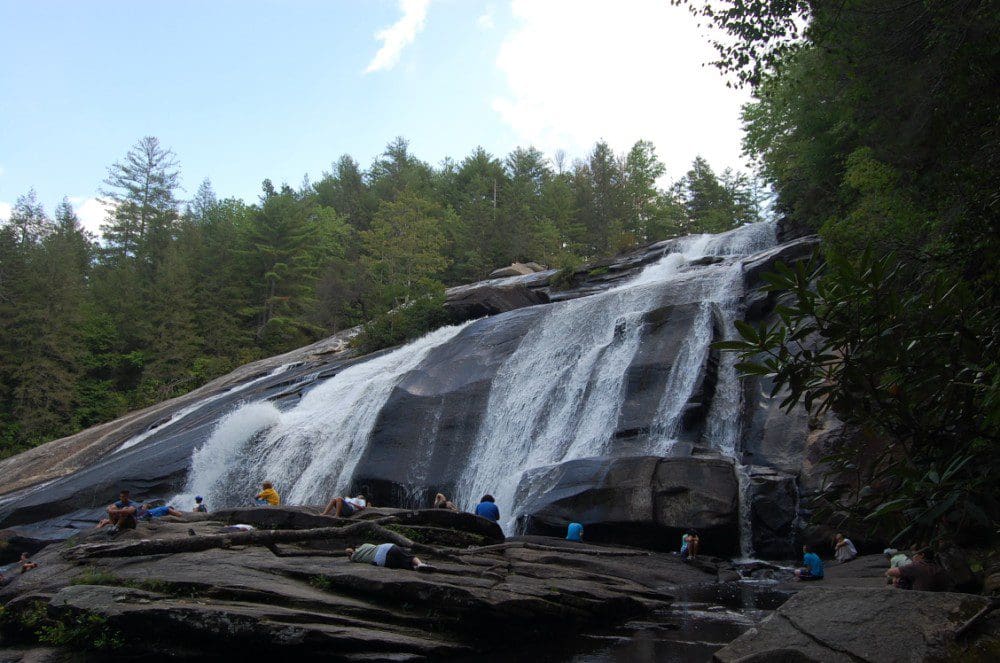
[(181, 587), (871, 625)]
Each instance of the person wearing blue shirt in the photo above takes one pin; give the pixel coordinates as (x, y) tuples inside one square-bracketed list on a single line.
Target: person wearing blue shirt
[(121, 514), (574, 532), (488, 509), (812, 568)]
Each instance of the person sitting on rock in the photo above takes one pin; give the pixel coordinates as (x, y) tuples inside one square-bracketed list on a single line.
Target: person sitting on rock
[(345, 506), (268, 496), (812, 566), (121, 514), (844, 549), (488, 509), (574, 532), (26, 563), (922, 573), (147, 512), (690, 544), (388, 555), (441, 502), (896, 560), (199, 505)]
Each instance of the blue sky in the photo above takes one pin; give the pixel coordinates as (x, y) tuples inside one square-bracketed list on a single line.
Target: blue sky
[(248, 89)]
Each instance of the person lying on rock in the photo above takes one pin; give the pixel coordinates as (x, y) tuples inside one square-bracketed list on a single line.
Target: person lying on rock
[(844, 550), (268, 495), (345, 506), (26, 563), (199, 505), (488, 509), (388, 555), (121, 514), (922, 573), (441, 502), (148, 512), (812, 566)]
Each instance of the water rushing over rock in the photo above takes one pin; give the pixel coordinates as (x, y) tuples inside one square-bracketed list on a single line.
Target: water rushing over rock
[(560, 394), (309, 451), (617, 368)]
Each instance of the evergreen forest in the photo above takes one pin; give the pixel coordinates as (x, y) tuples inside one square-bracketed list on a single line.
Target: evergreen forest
[(178, 291)]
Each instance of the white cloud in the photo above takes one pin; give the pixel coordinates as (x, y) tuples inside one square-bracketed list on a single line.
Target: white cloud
[(399, 35), (91, 212), (5, 209), (2, 171), (485, 21), (583, 70)]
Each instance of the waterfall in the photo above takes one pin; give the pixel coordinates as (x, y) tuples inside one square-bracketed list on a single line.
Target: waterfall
[(559, 395), (309, 451)]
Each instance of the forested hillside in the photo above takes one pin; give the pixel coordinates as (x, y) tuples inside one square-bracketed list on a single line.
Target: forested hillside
[(177, 292), (879, 126)]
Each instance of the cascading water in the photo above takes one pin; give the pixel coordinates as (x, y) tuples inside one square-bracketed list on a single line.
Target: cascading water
[(310, 451), (558, 396)]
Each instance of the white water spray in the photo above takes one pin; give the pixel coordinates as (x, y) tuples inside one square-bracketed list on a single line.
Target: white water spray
[(311, 450)]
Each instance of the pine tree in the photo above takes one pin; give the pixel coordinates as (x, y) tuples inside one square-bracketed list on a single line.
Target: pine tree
[(280, 250), (397, 170), (203, 202), (404, 248), (28, 218), (141, 191)]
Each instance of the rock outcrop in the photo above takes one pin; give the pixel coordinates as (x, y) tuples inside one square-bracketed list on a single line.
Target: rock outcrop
[(176, 587), (644, 500), (854, 625)]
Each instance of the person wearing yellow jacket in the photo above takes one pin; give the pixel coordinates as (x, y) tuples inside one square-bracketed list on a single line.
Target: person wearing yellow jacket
[(269, 495)]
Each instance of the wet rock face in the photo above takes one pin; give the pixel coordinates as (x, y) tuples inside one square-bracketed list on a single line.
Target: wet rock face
[(774, 504), (646, 380), (426, 429), (643, 501)]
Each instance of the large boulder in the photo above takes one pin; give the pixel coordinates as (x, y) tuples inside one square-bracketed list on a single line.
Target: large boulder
[(644, 500), (515, 269), (774, 507), (853, 625), (493, 297)]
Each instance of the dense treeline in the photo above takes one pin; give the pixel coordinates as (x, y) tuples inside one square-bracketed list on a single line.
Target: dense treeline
[(178, 292), (879, 127)]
